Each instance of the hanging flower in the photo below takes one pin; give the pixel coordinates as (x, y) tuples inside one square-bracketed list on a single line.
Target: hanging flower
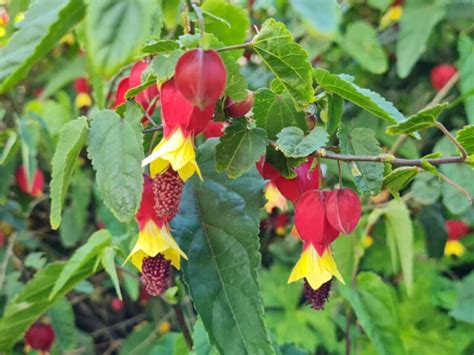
[(83, 98), (181, 123), (456, 230), (35, 189)]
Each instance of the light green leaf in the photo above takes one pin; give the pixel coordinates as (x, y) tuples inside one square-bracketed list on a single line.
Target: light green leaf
[(322, 16), (30, 133), (361, 42), (115, 148), (33, 301), (381, 5), (82, 256), (294, 144), (218, 229), (399, 178), (368, 100), (465, 136), (466, 73), (237, 26), (287, 60), (45, 23), (71, 140), (361, 141), (400, 232), (116, 30), (426, 188), (240, 148), (463, 309), (35, 260), (415, 29), (421, 120), (53, 113), (375, 307), (274, 112), (335, 111), (163, 66), (171, 13), (108, 262), (63, 323), (160, 46)]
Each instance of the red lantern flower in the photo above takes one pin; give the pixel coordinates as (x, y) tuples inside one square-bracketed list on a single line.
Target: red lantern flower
[(237, 109), (343, 210), (36, 188)]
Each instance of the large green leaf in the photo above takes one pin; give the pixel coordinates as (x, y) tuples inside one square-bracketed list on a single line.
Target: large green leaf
[(229, 23), (108, 262), (115, 147), (361, 141), (415, 29), (34, 300), (370, 101), (287, 60), (466, 73), (294, 144), (375, 307), (218, 229), (273, 112), (116, 30), (335, 111), (240, 148), (71, 139), (89, 251), (465, 136), (400, 233), (322, 16), (45, 23), (421, 120), (361, 42)]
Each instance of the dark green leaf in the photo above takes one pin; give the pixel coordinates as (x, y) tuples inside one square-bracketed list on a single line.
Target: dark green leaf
[(370, 101), (71, 140), (375, 307), (466, 73), (160, 46), (274, 112), (283, 164), (116, 30), (294, 144), (287, 60), (361, 141), (399, 178), (436, 235), (240, 148), (218, 229), (45, 23), (421, 120), (115, 148), (335, 111), (322, 16)]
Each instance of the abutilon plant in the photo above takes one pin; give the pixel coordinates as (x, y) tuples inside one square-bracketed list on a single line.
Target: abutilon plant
[(82, 88), (343, 210), (456, 230)]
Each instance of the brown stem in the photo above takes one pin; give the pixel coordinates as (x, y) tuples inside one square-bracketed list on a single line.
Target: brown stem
[(453, 139), (182, 324)]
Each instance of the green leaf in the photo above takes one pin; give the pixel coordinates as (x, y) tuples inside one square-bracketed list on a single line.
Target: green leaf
[(466, 73), (160, 46), (400, 233), (370, 101), (381, 5), (465, 136), (45, 23), (294, 144), (115, 148), (163, 66), (335, 111), (218, 229), (415, 29), (423, 119), (322, 16), (33, 301), (72, 137), (54, 113), (361, 141), (361, 42), (274, 112), (171, 13), (116, 30), (287, 60), (108, 262), (30, 133), (237, 26), (63, 323), (140, 341), (375, 307), (89, 251), (240, 148), (436, 235), (399, 178), (463, 309)]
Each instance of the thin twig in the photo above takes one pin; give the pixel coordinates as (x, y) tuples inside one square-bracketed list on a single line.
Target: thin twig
[(189, 5), (236, 46), (200, 17), (153, 129), (457, 187), (182, 324), (453, 139)]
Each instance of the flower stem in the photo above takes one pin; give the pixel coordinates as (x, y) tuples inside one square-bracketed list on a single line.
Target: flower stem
[(235, 46)]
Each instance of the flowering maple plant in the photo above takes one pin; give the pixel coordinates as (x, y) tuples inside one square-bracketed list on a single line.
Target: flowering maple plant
[(236, 177)]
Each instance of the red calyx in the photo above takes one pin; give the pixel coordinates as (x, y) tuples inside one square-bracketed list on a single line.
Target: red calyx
[(178, 112), (237, 109), (40, 336), (116, 304), (147, 206), (201, 77), (36, 188), (343, 210), (456, 229), (215, 129), (81, 85), (441, 74)]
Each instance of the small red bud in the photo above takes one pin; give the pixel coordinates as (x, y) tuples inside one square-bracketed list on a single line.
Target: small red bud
[(343, 210), (81, 85), (36, 189), (40, 336), (441, 74), (201, 77), (237, 109), (117, 304)]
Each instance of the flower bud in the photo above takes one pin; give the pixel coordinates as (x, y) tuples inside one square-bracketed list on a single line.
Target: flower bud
[(40, 336), (36, 188), (343, 210), (456, 229), (201, 76), (237, 109)]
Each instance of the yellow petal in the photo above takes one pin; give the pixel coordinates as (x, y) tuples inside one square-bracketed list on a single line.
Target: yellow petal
[(393, 14), (454, 247), (274, 199), (83, 100), (328, 263)]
